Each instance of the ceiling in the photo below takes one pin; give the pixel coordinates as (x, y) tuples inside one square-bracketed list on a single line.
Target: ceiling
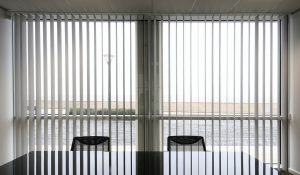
[(153, 6)]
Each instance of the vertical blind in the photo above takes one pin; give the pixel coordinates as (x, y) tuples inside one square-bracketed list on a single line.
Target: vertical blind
[(74, 76), (221, 81), (139, 79)]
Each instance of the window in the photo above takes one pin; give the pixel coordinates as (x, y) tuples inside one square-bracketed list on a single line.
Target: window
[(81, 75), (80, 72), (209, 80)]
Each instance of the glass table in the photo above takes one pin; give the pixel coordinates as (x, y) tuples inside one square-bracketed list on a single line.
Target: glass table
[(137, 163)]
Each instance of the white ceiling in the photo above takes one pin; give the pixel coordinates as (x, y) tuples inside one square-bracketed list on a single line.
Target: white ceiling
[(153, 6)]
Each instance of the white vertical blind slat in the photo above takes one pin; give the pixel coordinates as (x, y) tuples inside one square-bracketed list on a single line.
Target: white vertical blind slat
[(124, 73), (88, 89), (212, 95), (234, 90), (109, 88), (271, 91), (212, 91), (278, 92), (148, 80), (67, 90), (176, 74), (256, 94), (18, 83), (169, 78), (81, 73), (45, 83), (74, 89), (96, 62), (109, 60), (24, 64), (242, 86), (191, 89), (81, 89), (241, 94), (59, 92), (169, 91), (73, 53), (227, 90), (59, 81), (117, 95), (31, 82), (264, 91), (219, 93), (190, 74), (161, 80), (45, 67), (38, 138), (249, 88), (198, 88), (130, 89), (205, 86), (67, 98), (52, 62), (24, 84), (88, 71), (88, 74), (38, 82), (183, 80), (102, 87), (155, 66), (117, 102), (183, 87), (176, 86)]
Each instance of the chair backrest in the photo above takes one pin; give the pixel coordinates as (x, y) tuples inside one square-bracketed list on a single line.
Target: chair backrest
[(91, 143), (186, 143)]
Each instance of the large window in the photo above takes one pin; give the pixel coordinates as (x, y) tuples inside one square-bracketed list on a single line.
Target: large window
[(220, 80), (140, 80), (80, 74)]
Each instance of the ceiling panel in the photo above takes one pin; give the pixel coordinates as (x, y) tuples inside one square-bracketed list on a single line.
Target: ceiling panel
[(155, 6)]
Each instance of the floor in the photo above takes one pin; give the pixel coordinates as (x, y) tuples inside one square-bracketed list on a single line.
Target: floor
[(285, 173)]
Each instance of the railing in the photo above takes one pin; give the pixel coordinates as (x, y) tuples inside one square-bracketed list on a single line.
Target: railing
[(226, 129)]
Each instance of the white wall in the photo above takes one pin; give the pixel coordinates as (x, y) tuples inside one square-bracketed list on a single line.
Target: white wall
[(294, 127), (6, 90)]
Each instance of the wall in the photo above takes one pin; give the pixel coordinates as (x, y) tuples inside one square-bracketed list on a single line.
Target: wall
[(6, 90), (294, 127)]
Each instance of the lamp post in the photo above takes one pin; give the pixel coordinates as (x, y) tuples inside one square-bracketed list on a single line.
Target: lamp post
[(109, 57)]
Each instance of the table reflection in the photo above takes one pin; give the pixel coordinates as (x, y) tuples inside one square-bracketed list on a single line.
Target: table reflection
[(141, 163)]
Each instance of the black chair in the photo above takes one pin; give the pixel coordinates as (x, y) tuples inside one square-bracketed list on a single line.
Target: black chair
[(91, 143), (186, 143)]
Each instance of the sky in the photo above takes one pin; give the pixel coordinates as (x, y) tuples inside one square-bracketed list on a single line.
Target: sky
[(216, 61), (201, 61)]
